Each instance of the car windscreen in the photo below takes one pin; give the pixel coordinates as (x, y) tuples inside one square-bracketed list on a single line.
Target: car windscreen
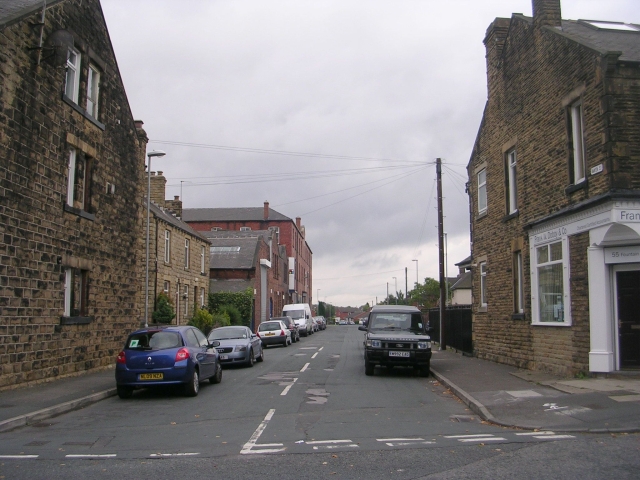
[(269, 326), (154, 340), (293, 313), (225, 333), (410, 322)]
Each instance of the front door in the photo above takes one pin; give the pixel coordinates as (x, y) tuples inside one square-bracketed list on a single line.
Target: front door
[(628, 286)]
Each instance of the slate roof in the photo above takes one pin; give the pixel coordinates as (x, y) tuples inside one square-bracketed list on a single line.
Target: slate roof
[(464, 281), (174, 221), (12, 11), (233, 286), (241, 214), (604, 40), (244, 259)]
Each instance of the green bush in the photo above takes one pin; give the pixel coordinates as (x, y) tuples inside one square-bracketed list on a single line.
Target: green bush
[(164, 311), (220, 320), (232, 312), (203, 320), (242, 301)]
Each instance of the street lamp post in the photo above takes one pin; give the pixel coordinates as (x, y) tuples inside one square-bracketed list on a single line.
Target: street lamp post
[(318, 291), (417, 281), (396, 280), (155, 153)]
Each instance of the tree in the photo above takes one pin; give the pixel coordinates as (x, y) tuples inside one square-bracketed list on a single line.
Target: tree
[(203, 320), (164, 311), (426, 294)]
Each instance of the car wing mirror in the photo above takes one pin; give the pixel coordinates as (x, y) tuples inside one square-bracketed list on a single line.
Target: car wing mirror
[(362, 327), (214, 344)]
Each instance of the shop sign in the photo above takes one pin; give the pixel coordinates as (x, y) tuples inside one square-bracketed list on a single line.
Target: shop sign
[(622, 254)]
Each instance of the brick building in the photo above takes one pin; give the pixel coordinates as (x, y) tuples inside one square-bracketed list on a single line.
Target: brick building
[(289, 233), (71, 170), (178, 256), (554, 187), (250, 259)]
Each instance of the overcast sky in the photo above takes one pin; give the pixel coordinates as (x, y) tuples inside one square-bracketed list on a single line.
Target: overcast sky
[(368, 92)]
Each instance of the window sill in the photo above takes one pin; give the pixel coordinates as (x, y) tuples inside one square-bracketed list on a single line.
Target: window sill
[(511, 216), (574, 188), (83, 112), (75, 320), (481, 215), (79, 212), (517, 316), (551, 324), (482, 309)]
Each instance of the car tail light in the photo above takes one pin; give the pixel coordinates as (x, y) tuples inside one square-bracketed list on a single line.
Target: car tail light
[(182, 354), (121, 357), (282, 334), (258, 333)]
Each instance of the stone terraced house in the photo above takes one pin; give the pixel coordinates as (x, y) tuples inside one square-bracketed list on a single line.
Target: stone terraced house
[(554, 187), (71, 196)]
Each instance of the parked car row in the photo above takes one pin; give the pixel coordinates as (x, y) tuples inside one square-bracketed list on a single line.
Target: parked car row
[(184, 356)]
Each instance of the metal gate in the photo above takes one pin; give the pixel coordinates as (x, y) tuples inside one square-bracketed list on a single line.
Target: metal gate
[(458, 327)]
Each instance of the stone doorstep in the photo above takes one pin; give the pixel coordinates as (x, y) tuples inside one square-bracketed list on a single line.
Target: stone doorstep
[(619, 386)]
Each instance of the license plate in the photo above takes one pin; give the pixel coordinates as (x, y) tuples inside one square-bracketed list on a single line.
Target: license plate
[(224, 357), (151, 376), (269, 334), (399, 354)]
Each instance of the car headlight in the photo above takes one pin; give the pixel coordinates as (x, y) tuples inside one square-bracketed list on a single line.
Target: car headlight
[(424, 345), (374, 343), (240, 348)]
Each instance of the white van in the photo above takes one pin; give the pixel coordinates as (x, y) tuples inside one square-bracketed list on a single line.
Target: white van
[(301, 314)]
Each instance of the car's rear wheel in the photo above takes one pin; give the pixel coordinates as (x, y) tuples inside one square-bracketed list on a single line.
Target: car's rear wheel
[(251, 360), (286, 342), (124, 392), (217, 378), (293, 338), (261, 357), (192, 388), (425, 370), (368, 368)]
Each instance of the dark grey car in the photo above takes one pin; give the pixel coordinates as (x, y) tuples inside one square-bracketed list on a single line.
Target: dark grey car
[(237, 345)]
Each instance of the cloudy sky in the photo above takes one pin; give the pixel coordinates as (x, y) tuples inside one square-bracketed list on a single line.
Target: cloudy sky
[(332, 110)]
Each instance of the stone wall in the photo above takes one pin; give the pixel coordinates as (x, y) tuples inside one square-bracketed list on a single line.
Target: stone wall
[(41, 236)]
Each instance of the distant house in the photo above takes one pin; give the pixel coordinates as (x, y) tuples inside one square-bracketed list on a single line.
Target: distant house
[(71, 195), (554, 186), (179, 256), (289, 233), (461, 285), (252, 260)]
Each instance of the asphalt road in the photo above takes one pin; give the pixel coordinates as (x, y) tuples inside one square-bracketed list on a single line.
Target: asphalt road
[(307, 411)]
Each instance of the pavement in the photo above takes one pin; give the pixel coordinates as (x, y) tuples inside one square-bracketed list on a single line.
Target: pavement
[(497, 393)]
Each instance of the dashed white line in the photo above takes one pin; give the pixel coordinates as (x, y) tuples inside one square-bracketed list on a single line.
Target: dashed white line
[(531, 434), (173, 454), (288, 387), (321, 442), (17, 457), (399, 439), (482, 439), (306, 365), (110, 455), (469, 436), (554, 437), (320, 349), (314, 355)]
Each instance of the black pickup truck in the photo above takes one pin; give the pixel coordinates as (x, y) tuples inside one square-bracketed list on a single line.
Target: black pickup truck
[(396, 336)]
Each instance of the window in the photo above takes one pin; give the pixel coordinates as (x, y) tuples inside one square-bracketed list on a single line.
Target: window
[(202, 297), (167, 246), (186, 300), (518, 278), (245, 229), (224, 250), (186, 253), (483, 284), (166, 287), (75, 292), (93, 91), (576, 136), (550, 283), (72, 79), (512, 183), (482, 191), (79, 181), (202, 259)]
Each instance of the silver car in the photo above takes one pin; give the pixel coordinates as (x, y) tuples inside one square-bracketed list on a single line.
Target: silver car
[(237, 345), (274, 332)]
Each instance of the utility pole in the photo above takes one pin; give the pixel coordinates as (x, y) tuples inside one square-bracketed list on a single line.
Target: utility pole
[(443, 343), (406, 287)]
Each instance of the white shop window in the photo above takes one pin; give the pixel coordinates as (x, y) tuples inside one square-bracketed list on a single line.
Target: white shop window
[(550, 284)]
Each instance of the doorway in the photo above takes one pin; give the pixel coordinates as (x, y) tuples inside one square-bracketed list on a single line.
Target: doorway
[(628, 316)]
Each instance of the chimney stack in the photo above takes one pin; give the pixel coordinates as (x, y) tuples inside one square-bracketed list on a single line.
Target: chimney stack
[(266, 211), (298, 220), (158, 183), (547, 13)]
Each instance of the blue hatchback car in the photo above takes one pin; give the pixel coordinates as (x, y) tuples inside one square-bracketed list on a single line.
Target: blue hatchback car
[(166, 355)]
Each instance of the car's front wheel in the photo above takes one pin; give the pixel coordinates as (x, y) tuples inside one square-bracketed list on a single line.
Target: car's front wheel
[(261, 357), (368, 368), (124, 392), (425, 370), (217, 378), (251, 360), (192, 388)]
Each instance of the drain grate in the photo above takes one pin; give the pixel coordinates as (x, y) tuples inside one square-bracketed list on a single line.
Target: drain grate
[(463, 418), (43, 424)]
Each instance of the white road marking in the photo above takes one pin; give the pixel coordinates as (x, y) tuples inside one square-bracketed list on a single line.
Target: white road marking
[(322, 442), (110, 455), (288, 387), (308, 348), (403, 444), (320, 349), (173, 454), (17, 457), (531, 434), (314, 355), (554, 437), (247, 449), (399, 439), (485, 439), (330, 447), (306, 365), (469, 436)]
